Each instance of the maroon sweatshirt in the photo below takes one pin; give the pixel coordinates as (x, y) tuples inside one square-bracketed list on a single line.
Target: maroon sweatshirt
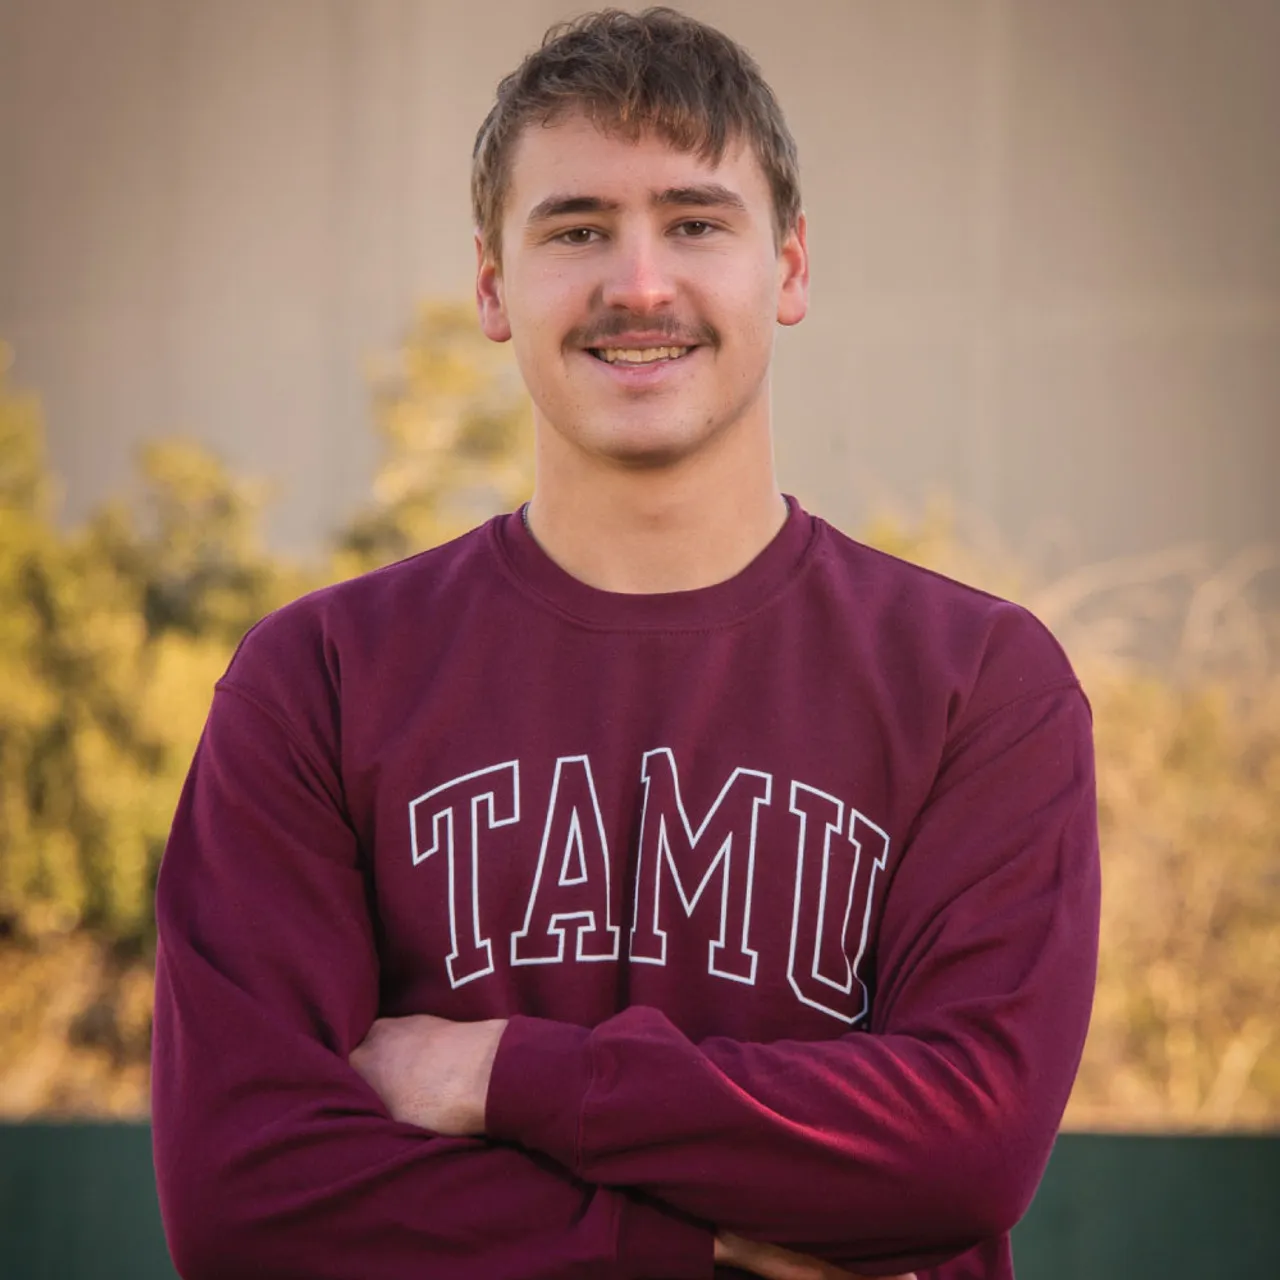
[(788, 885)]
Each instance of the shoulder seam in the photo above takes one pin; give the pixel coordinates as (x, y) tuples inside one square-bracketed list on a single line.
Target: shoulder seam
[(275, 715), (1063, 683)]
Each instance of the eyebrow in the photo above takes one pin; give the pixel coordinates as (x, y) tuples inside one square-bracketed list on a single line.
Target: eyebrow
[(710, 195)]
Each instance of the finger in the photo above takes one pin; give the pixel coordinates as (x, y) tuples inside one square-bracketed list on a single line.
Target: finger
[(783, 1264), (857, 1275), (828, 1272), (773, 1262)]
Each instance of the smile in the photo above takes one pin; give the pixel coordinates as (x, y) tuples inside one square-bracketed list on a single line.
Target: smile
[(638, 355)]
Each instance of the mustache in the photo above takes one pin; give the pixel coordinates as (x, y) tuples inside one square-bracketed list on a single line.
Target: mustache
[(597, 332)]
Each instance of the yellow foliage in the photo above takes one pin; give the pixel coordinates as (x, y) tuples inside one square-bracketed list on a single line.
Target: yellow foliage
[(1186, 1031), (111, 639), (457, 434), (77, 1024)]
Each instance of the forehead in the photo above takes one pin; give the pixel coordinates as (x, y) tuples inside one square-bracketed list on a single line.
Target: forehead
[(574, 157)]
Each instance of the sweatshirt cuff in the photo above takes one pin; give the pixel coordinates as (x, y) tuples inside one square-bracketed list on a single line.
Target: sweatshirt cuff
[(654, 1241), (537, 1090), (538, 1086)]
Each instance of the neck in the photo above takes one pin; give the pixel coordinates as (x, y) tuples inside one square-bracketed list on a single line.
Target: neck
[(642, 531)]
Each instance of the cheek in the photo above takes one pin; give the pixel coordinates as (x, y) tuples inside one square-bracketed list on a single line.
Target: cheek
[(550, 296), (538, 324), (542, 309), (745, 303), (750, 334)]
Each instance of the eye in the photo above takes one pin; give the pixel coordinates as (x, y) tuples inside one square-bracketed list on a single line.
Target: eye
[(695, 228), (576, 236)]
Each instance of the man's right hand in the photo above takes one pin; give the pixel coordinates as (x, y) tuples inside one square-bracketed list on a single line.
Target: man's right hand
[(772, 1262)]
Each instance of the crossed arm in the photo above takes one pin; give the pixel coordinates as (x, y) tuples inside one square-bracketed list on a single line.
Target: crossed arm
[(434, 1074), (885, 1151)]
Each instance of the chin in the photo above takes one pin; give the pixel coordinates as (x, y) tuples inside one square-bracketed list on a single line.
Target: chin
[(649, 440), (650, 459), (649, 451)]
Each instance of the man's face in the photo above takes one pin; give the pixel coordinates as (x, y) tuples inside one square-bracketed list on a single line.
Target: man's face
[(640, 286)]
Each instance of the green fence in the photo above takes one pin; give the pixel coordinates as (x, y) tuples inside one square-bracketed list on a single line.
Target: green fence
[(1155, 1208), (77, 1202)]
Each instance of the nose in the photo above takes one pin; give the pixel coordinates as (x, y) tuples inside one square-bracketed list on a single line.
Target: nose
[(639, 277)]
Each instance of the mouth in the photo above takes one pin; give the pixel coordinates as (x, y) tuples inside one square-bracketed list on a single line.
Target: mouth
[(639, 357)]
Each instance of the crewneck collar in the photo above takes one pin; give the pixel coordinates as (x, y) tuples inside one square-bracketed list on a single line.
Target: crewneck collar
[(721, 604)]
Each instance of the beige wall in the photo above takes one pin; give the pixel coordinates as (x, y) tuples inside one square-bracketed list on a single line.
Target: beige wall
[(1046, 240)]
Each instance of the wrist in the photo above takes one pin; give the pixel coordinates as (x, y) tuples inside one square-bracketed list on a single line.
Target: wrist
[(724, 1252)]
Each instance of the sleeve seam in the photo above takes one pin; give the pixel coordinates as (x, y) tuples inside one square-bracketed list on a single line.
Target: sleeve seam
[(276, 716), (1041, 691)]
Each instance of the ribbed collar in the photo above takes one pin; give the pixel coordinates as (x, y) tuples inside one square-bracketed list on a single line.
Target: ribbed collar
[(719, 605)]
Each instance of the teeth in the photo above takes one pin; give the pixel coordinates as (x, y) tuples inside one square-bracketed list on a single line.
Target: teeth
[(645, 355)]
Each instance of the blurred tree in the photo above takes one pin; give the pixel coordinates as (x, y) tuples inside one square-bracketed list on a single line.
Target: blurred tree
[(30, 555), (112, 637), (76, 770), (1186, 1028), (191, 549), (456, 429)]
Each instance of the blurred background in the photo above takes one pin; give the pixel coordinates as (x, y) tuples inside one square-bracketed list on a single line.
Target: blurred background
[(1043, 356)]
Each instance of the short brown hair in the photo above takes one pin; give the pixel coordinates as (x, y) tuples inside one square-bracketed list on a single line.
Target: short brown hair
[(629, 73)]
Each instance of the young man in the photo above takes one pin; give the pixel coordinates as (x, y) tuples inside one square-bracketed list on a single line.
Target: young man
[(653, 877)]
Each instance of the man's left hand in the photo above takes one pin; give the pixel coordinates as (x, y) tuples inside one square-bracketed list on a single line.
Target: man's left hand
[(431, 1072)]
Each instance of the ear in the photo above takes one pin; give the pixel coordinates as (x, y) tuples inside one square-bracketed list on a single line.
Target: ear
[(489, 302), (793, 274)]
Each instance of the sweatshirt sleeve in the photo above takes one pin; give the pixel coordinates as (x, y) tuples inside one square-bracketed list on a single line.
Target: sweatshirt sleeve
[(273, 1157), (900, 1148)]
